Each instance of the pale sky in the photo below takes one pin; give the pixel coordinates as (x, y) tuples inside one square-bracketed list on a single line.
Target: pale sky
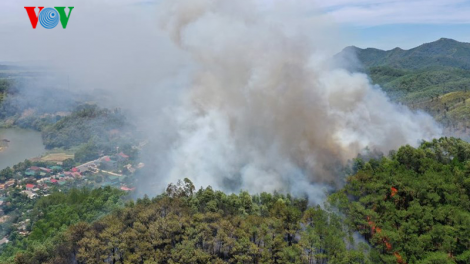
[(404, 23), (383, 24)]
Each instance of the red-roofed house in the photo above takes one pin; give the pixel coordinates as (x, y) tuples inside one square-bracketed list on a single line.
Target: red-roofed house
[(74, 170), (122, 155), (54, 181), (34, 168), (29, 186), (127, 189)]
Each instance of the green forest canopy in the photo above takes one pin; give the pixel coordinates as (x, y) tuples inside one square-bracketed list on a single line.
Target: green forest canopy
[(411, 207), (418, 199)]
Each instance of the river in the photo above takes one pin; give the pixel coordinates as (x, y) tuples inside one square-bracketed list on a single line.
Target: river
[(24, 144)]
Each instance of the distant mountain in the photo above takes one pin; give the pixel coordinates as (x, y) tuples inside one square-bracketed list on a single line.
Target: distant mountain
[(434, 77), (441, 53)]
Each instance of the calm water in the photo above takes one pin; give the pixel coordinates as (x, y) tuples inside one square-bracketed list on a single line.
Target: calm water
[(24, 144)]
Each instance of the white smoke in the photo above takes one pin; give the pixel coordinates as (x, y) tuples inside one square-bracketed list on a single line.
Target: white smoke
[(232, 94), (265, 110)]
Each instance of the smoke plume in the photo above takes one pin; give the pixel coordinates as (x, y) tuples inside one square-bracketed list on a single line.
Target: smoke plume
[(265, 109), (232, 94)]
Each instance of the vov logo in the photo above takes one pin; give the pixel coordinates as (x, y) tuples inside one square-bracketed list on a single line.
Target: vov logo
[(48, 17)]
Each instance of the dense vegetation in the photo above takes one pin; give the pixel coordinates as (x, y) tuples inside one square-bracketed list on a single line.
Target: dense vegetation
[(441, 53), (410, 207), (86, 123), (415, 205), (412, 86), (208, 227), (430, 70), (51, 215)]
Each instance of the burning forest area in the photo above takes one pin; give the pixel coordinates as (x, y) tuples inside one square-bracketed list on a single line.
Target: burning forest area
[(214, 131)]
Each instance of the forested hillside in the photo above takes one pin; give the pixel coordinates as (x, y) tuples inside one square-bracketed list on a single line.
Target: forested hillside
[(207, 226), (87, 122), (51, 216), (430, 70), (410, 207), (413, 207), (441, 53), (425, 77)]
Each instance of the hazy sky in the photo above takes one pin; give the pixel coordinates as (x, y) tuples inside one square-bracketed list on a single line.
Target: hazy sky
[(405, 23), (382, 24)]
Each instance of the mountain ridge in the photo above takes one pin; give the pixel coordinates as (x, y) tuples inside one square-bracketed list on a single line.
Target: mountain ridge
[(434, 77), (443, 52)]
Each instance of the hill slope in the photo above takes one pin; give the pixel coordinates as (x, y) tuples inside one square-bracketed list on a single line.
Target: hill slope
[(411, 207), (418, 74), (441, 53), (414, 206), (434, 77)]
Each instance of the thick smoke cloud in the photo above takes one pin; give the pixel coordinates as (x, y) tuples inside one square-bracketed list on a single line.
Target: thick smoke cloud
[(232, 94), (265, 110)]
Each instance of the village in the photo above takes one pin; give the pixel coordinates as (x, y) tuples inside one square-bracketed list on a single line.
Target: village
[(37, 181)]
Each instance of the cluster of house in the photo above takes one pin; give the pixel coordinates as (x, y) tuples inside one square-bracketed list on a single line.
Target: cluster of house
[(40, 179)]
